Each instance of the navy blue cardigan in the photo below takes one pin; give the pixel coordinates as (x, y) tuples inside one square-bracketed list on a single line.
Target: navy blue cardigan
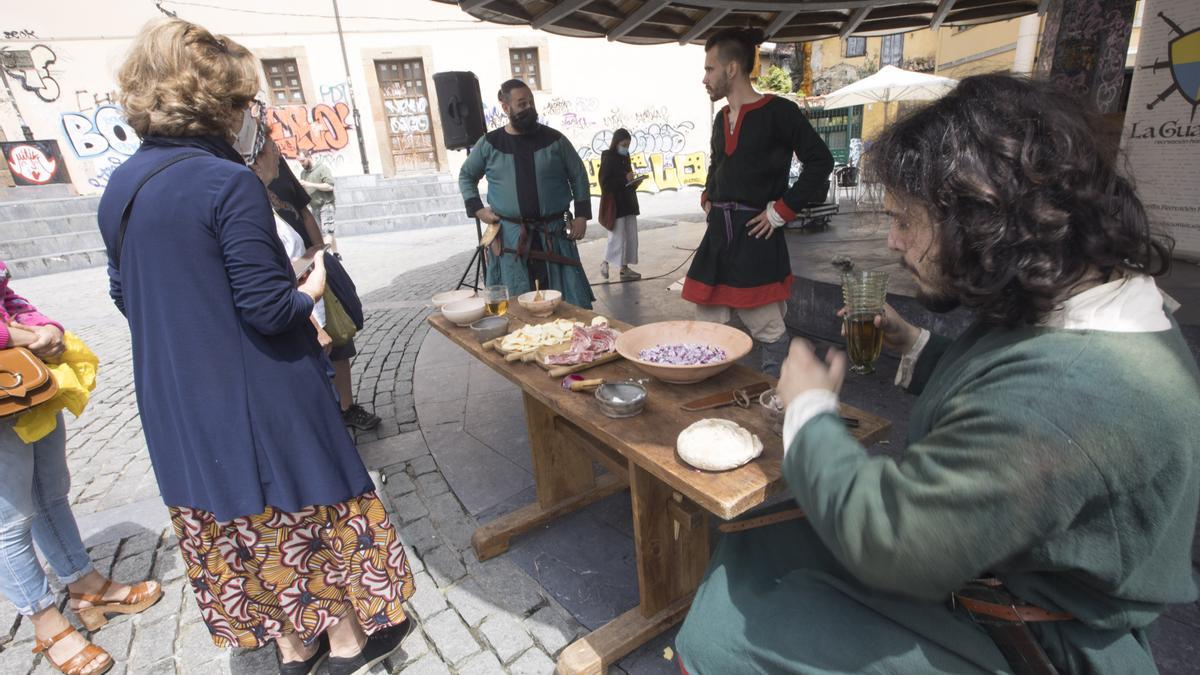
[(232, 387)]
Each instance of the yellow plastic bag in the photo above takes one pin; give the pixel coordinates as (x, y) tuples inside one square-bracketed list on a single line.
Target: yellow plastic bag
[(338, 324), (75, 372)]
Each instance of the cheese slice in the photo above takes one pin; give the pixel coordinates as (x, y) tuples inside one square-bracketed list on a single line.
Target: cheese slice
[(529, 338), (717, 445)]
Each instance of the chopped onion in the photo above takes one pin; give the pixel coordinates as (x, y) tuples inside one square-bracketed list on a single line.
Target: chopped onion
[(683, 354)]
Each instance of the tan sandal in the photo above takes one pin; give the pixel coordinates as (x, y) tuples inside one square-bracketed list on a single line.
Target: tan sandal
[(142, 596), (76, 664)]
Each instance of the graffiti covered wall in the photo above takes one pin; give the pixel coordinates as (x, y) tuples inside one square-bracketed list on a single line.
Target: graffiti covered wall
[(101, 140), (322, 129), (671, 152)]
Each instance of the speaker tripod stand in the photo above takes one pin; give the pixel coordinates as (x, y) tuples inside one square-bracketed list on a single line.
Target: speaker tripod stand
[(478, 261)]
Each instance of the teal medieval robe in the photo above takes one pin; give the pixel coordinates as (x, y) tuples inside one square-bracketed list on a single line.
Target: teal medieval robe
[(535, 177), (1064, 462)]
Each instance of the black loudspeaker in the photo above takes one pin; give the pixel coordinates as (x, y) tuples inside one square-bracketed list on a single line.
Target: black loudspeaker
[(461, 108)]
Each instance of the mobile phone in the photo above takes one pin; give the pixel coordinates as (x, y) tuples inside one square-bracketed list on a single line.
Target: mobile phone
[(302, 266)]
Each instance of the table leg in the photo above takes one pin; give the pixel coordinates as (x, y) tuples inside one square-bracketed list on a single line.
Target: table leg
[(564, 477), (671, 537)]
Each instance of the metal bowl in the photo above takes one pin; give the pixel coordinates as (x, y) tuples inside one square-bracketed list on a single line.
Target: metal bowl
[(490, 328), (621, 399)]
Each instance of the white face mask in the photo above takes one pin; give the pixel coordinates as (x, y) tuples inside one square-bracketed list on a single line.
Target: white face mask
[(623, 150), (247, 136)]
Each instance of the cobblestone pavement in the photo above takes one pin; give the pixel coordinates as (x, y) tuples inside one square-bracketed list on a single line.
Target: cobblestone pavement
[(472, 616)]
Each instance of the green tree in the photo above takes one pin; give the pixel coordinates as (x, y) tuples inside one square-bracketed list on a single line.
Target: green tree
[(776, 79)]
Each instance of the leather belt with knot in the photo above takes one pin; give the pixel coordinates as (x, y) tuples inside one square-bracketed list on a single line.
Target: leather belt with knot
[(535, 226)]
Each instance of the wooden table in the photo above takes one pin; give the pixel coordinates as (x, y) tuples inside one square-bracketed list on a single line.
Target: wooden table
[(671, 500)]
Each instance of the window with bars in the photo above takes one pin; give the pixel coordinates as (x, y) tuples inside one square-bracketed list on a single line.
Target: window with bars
[(856, 46), (283, 81), (891, 52), (524, 63)]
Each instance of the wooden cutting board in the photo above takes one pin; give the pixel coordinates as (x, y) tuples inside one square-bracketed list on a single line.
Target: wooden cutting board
[(513, 357), (563, 371)]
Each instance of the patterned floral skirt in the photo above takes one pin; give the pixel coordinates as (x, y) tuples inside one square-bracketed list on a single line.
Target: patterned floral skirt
[(259, 577)]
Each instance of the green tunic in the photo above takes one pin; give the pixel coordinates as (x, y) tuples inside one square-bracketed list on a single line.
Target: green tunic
[(1062, 461), (533, 176)]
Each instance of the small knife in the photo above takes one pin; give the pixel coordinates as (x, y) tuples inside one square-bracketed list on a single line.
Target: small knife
[(727, 398)]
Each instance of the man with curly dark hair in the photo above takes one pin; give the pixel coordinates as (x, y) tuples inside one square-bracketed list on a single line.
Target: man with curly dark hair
[(1042, 515)]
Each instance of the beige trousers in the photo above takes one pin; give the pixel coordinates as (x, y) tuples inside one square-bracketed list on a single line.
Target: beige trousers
[(765, 323)]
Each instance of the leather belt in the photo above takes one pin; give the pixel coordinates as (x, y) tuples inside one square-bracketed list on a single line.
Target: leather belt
[(538, 226), (1014, 612)]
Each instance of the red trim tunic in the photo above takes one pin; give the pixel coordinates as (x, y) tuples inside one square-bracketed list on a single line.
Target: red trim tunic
[(751, 160)]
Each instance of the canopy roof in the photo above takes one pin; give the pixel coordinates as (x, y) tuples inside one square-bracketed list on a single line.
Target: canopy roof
[(693, 21)]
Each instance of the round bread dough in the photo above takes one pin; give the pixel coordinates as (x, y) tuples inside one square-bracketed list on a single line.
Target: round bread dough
[(717, 445)]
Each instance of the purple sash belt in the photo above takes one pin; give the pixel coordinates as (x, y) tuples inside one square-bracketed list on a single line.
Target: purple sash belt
[(729, 208)]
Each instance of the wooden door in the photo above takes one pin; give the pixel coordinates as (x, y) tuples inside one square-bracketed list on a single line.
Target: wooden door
[(406, 108)]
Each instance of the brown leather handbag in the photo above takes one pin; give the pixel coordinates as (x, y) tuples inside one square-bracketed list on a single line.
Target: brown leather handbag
[(25, 381), (608, 212)]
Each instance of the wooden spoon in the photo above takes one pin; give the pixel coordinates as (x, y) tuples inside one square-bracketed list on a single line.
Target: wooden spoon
[(537, 286)]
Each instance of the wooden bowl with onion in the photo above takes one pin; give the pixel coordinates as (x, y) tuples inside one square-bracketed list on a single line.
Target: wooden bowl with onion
[(732, 341)]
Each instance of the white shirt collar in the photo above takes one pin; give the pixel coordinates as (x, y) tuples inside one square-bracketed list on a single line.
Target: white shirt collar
[(1131, 304)]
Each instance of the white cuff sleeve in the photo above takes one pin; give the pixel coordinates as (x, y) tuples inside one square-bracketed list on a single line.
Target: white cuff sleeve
[(773, 216), (319, 311), (802, 409), (908, 363)]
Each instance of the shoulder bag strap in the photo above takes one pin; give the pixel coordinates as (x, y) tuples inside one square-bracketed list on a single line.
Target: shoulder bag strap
[(137, 188)]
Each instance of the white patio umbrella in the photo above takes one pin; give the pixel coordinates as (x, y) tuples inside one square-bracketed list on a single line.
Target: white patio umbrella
[(890, 84)]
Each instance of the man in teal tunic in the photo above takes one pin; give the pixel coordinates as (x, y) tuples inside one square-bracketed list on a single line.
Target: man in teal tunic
[(534, 177), (1052, 449)]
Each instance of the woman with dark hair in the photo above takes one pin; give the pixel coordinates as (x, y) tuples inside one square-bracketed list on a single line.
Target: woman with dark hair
[(617, 179), (1042, 514)]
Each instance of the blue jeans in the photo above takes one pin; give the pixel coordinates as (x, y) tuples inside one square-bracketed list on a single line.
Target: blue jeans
[(33, 507)]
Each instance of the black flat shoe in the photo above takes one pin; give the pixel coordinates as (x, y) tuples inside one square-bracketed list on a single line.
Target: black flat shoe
[(360, 418), (310, 666), (378, 647)]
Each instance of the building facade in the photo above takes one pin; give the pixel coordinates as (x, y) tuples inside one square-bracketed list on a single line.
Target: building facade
[(60, 69)]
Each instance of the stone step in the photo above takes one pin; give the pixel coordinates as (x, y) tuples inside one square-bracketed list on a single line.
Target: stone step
[(374, 179), (59, 262), (43, 208), (50, 245), (401, 223), (389, 191), (46, 226), (389, 207), (22, 192)]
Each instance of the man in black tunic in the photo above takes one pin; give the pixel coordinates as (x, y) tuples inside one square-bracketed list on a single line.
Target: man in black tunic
[(742, 265)]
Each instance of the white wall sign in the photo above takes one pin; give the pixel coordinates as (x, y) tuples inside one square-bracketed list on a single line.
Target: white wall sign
[(1162, 124)]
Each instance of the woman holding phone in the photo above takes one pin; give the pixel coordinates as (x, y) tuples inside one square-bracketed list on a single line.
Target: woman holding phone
[(618, 179)]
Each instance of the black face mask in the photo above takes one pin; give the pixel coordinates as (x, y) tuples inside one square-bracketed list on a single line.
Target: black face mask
[(526, 120)]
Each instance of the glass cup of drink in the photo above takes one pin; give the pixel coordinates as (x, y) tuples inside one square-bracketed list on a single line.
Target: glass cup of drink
[(495, 300), (864, 293)]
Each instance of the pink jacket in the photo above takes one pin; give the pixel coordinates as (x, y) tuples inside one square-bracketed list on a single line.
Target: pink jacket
[(17, 309)]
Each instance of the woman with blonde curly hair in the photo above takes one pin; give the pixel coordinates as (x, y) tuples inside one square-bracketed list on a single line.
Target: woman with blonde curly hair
[(281, 532)]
